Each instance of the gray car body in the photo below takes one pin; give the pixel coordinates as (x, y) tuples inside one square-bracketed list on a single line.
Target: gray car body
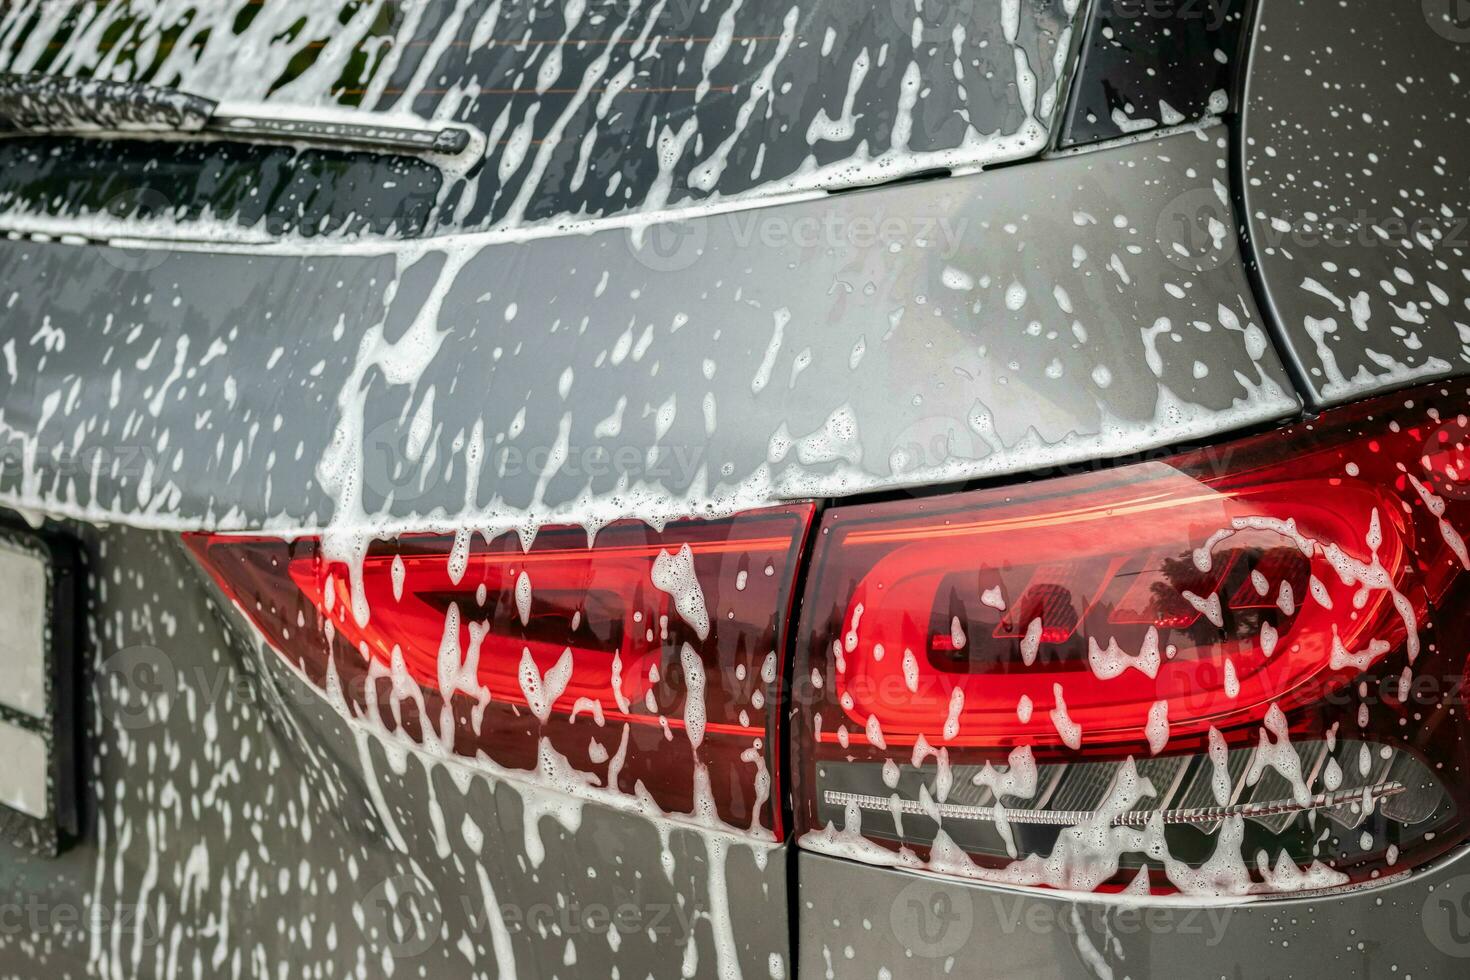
[(769, 350)]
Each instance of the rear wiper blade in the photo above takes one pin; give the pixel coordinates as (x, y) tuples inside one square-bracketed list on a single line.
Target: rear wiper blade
[(36, 103)]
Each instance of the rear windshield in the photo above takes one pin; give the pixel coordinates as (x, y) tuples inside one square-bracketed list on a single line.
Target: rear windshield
[(589, 109)]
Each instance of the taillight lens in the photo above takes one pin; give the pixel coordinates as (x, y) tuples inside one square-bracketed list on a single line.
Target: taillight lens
[(1234, 671), (647, 663)]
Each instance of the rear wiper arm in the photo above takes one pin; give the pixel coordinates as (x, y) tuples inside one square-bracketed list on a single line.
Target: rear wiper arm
[(35, 103)]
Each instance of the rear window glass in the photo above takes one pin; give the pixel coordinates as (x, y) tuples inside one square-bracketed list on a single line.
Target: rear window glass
[(589, 109)]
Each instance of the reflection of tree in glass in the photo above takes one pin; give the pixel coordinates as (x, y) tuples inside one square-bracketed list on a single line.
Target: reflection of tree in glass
[(1242, 608)]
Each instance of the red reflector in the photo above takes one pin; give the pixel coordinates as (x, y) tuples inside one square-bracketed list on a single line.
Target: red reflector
[(651, 661), (1213, 656)]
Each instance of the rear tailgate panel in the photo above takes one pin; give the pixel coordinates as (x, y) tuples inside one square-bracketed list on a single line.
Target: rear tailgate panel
[(1060, 311)]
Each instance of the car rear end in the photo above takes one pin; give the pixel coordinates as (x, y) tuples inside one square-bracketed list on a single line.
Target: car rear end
[(905, 490)]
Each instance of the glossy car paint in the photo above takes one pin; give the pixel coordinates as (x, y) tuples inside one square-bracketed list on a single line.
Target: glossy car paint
[(924, 926), (201, 744), (893, 337), (240, 824), (1361, 247), (258, 409), (214, 395)]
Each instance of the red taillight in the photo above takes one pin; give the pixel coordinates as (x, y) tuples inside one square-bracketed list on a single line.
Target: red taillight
[(650, 661), (1233, 671), (1102, 598)]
